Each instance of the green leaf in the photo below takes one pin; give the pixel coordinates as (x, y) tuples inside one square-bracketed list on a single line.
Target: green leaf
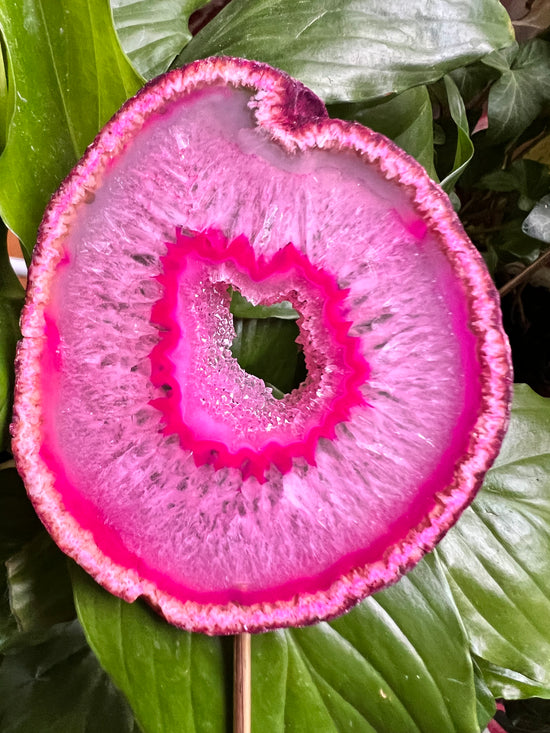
[(11, 301), (18, 522), (267, 349), (67, 77), (497, 558), (486, 705), (512, 244), (464, 145), (406, 119), (397, 662), (500, 61), (242, 308), (354, 51), (508, 683), (4, 100), (412, 636), (537, 224), (503, 230), (153, 33), (35, 588), (39, 585), (58, 686), (175, 681), (521, 92), (529, 178), (472, 81), (8, 624)]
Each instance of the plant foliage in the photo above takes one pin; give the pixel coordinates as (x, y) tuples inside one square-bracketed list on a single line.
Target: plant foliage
[(452, 84)]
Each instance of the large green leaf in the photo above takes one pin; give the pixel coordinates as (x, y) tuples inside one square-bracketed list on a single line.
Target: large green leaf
[(351, 50), (266, 348), (67, 77), (175, 682), (405, 118), (11, 301), (522, 90), (57, 686), (153, 33), (398, 662), (497, 558)]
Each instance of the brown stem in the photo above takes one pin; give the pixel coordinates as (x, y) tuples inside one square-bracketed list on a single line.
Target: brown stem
[(242, 684), (525, 274)]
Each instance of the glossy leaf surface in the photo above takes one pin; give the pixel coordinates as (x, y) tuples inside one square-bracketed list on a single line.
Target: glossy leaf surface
[(4, 101), (497, 558), (175, 682), (464, 146), (353, 51), (68, 76), (152, 34), (399, 661)]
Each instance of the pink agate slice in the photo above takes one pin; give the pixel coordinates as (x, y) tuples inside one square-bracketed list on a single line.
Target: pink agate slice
[(161, 466)]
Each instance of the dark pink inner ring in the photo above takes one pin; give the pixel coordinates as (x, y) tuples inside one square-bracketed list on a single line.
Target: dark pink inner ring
[(226, 417)]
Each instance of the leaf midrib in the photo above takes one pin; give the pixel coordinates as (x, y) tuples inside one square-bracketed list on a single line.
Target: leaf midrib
[(70, 127)]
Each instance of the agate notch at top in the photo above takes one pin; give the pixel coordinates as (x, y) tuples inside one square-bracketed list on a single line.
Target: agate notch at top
[(161, 466)]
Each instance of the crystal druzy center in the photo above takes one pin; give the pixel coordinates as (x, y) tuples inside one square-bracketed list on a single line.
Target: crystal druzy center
[(225, 416)]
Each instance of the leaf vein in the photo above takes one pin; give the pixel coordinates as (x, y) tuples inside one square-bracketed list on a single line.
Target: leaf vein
[(422, 660), (476, 510), (58, 80)]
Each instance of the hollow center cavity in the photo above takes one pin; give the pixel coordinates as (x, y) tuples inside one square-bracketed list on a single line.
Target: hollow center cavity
[(265, 344)]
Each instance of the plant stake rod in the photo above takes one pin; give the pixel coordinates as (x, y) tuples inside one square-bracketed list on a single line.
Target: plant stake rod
[(543, 260), (241, 684)]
